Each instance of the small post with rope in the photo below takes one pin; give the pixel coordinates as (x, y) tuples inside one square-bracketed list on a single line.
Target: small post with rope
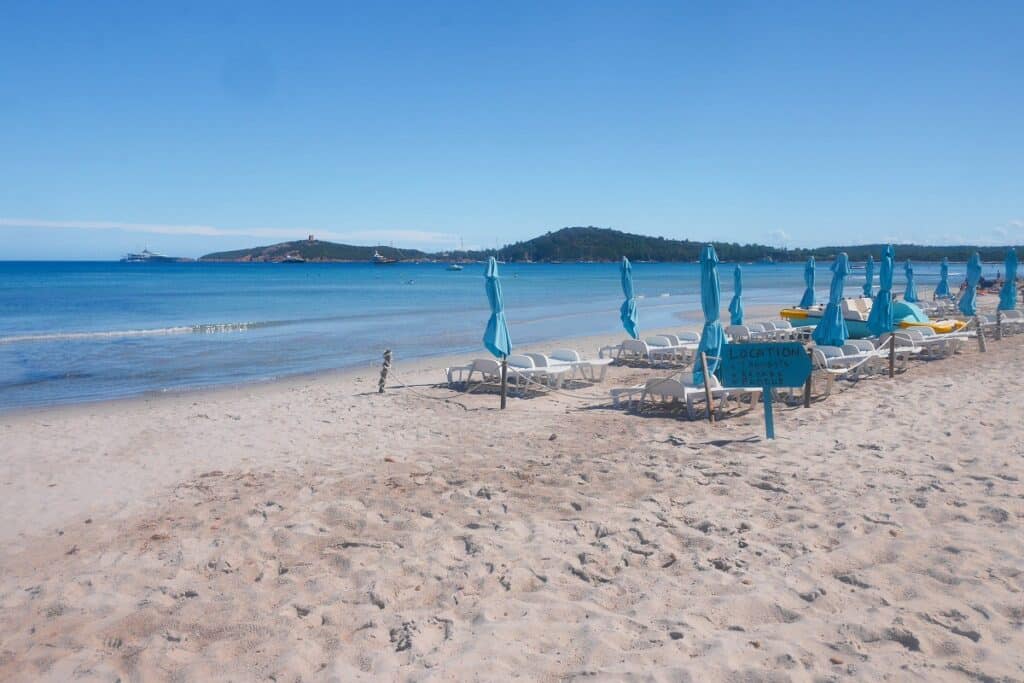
[(807, 384), (504, 380), (892, 355), (999, 325), (981, 335), (384, 371), (707, 387)]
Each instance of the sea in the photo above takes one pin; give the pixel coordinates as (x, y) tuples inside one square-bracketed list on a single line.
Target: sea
[(75, 332)]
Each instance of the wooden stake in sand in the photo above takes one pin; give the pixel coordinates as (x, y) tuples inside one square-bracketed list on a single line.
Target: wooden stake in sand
[(384, 371), (707, 387), (999, 325), (981, 335)]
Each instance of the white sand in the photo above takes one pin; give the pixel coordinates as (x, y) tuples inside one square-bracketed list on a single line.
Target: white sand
[(315, 530)]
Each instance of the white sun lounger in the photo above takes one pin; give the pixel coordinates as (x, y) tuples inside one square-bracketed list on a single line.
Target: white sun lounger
[(675, 389)]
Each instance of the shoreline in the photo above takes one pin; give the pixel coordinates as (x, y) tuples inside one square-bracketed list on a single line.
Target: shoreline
[(587, 344)]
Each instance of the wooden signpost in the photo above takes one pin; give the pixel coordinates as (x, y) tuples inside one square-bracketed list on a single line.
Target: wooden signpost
[(767, 366)]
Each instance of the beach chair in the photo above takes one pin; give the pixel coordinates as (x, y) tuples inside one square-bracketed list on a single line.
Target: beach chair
[(590, 370), (738, 333), (667, 347), (522, 371), (488, 369), (759, 333), (674, 389), (864, 350), (671, 389), (1013, 322), (936, 345)]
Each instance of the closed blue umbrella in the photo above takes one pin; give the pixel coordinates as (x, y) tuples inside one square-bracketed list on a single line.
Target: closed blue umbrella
[(627, 313), (832, 331), (942, 289), (1008, 294), (736, 305), (496, 337), (969, 301), (808, 299), (712, 337), (910, 293), (869, 274), (880, 320)]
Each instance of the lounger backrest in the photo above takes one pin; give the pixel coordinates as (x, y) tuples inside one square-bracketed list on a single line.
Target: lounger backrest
[(687, 337), (567, 355), (851, 349), (659, 340), (925, 331), (756, 327), (830, 351), (517, 360), (738, 332), (713, 382), (672, 339), (635, 346), (539, 359), (783, 325), (486, 366), (665, 386)]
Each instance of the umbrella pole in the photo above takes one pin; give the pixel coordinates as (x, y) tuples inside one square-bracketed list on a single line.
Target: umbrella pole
[(504, 380), (707, 387)]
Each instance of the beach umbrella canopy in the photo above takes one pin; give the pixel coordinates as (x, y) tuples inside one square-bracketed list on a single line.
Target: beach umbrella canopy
[(712, 337), (969, 301), (910, 293), (832, 331), (496, 337), (869, 274), (808, 298), (1008, 294), (942, 289), (880, 320), (627, 313), (736, 305)]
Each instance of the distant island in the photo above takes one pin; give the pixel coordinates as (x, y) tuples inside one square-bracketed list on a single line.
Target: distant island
[(590, 244)]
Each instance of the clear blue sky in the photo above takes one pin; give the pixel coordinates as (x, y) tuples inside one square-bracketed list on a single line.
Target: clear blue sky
[(196, 127)]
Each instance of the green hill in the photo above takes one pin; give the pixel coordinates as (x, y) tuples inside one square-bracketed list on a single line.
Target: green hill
[(600, 244), (604, 244), (312, 250)]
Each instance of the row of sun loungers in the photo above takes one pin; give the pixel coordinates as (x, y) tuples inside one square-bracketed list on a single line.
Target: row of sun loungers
[(769, 331), (857, 358), (523, 369)]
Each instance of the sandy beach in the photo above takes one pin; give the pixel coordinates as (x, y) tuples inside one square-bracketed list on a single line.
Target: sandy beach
[(313, 529)]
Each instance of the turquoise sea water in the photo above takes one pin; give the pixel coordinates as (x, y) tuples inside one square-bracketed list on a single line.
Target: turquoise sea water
[(73, 331)]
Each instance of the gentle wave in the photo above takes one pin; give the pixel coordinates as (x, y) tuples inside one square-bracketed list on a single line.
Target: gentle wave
[(213, 328)]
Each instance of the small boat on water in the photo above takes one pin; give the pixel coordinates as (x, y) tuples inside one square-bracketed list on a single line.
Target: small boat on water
[(857, 309), (292, 257), (147, 256), (453, 266), (379, 260)]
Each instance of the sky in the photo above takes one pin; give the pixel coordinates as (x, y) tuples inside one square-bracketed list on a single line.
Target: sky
[(196, 127)]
